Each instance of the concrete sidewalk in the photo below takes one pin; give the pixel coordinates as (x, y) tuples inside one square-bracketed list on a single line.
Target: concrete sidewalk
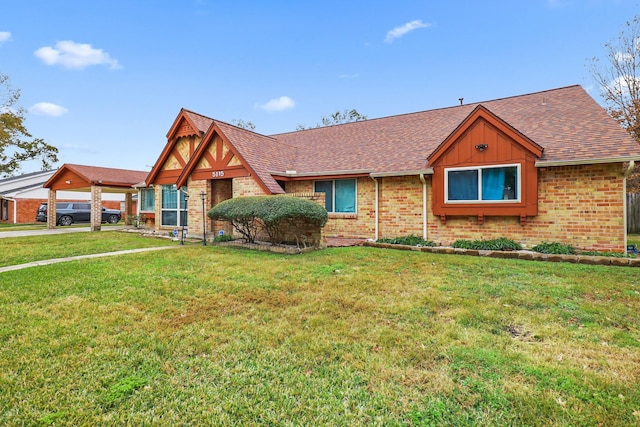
[(57, 230), (73, 258)]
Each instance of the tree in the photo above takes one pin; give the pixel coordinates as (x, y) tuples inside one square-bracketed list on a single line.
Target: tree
[(337, 118), (15, 143), (243, 125), (619, 78)]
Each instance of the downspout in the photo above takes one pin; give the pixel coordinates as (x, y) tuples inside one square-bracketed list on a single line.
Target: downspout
[(627, 172), (424, 206), (375, 207)]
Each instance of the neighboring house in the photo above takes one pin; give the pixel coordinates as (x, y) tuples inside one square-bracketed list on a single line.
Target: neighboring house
[(547, 166), (21, 195)]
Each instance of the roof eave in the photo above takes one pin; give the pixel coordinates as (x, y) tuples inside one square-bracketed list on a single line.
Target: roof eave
[(427, 171), (577, 162)]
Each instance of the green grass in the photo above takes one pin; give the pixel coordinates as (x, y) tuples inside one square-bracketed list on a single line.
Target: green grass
[(347, 336), (21, 250)]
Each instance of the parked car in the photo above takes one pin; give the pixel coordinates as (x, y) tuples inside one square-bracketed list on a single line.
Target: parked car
[(68, 213)]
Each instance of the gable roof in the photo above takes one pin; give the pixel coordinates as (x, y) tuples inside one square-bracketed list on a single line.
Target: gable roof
[(93, 175), (562, 126), (482, 113)]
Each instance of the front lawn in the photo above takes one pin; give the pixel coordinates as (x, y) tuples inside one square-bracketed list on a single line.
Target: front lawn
[(346, 336), (21, 250)]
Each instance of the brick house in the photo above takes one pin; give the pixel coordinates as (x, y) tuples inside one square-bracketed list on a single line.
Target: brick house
[(547, 166)]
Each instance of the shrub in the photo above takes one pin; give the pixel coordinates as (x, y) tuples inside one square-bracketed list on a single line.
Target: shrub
[(499, 244), (250, 215), (411, 240), (241, 212), (554, 248)]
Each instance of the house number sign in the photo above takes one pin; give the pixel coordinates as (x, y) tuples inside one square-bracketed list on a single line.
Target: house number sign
[(217, 174)]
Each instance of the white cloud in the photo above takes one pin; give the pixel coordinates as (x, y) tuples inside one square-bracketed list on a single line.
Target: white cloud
[(47, 109), (623, 57), (70, 54), (622, 84), (5, 36), (278, 104), (398, 32)]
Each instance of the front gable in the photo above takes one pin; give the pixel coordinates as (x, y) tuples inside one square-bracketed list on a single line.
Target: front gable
[(182, 140), (483, 141)]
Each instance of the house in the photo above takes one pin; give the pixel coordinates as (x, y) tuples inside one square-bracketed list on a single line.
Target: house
[(546, 166), (21, 195)]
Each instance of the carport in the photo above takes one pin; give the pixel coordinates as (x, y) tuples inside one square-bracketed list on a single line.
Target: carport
[(94, 180)]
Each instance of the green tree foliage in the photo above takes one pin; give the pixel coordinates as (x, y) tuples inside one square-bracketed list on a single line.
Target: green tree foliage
[(618, 77), (250, 215), (16, 145), (337, 118)]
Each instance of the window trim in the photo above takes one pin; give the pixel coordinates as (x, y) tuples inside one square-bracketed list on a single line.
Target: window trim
[(480, 201), (333, 191)]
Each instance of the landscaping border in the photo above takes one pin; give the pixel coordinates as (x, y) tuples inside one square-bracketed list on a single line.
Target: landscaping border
[(523, 254)]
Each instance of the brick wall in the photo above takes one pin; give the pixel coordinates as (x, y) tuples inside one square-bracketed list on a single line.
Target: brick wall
[(356, 225), (400, 206), (578, 205)]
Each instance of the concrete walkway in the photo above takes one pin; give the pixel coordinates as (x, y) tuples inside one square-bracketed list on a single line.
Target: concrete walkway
[(58, 260), (57, 230)]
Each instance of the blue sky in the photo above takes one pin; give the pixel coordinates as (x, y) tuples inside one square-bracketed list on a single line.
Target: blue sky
[(104, 80)]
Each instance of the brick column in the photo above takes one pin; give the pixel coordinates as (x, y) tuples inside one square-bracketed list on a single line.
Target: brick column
[(128, 204), (51, 209), (96, 208)]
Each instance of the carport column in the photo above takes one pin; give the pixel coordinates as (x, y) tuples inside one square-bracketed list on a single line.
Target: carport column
[(51, 209), (96, 208), (128, 208)]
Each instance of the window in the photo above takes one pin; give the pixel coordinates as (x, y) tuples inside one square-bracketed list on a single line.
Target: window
[(147, 200), (483, 184), (340, 194), (171, 208)]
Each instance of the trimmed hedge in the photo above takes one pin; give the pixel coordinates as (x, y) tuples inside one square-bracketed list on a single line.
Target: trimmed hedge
[(250, 215)]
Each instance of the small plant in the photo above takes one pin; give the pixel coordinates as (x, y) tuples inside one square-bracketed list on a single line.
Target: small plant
[(499, 244), (411, 240), (223, 238), (554, 248), (137, 221)]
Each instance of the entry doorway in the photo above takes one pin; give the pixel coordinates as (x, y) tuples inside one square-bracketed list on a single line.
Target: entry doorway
[(221, 190)]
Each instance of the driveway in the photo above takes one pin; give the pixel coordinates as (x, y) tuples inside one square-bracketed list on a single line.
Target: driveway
[(57, 230)]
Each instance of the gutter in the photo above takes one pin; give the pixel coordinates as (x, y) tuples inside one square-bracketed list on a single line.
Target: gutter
[(424, 206), (626, 174), (295, 174), (427, 171), (543, 164)]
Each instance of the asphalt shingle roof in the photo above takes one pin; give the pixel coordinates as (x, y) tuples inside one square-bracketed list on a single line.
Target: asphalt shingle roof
[(566, 122)]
